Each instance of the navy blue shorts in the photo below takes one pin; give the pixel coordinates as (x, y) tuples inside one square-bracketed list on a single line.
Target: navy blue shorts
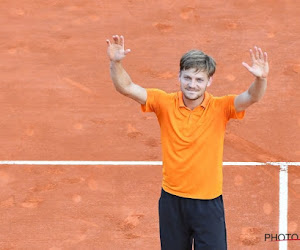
[(185, 221)]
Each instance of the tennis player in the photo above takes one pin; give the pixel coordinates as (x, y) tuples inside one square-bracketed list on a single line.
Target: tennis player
[(192, 123)]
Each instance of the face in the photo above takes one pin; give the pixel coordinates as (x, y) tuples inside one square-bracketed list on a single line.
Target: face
[(193, 84)]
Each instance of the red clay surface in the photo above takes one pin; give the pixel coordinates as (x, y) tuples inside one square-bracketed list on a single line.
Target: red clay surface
[(251, 202), (58, 103)]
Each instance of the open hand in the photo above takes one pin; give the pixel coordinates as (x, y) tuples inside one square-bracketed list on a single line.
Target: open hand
[(260, 66), (116, 51)]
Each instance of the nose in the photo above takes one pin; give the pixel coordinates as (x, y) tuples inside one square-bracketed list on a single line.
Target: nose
[(192, 83)]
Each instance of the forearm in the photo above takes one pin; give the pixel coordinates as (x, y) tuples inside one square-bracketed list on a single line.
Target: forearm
[(119, 77), (257, 89)]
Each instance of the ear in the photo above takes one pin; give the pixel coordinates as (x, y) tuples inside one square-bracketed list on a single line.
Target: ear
[(210, 81)]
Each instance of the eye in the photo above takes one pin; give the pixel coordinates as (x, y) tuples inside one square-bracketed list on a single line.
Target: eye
[(199, 80), (187, 78)]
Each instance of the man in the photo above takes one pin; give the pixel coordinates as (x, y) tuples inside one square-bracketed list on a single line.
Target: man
[(192, 123)]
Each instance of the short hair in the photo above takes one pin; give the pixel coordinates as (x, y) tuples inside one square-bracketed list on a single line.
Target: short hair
[(198, 60)]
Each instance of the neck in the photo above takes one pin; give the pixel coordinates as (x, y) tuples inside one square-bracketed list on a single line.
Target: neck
[(191, 104)]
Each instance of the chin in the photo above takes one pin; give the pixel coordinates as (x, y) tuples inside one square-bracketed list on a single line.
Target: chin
[(192, 97)]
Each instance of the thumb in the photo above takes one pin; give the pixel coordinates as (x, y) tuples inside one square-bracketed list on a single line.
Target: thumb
[(246, 66), (127, 51)]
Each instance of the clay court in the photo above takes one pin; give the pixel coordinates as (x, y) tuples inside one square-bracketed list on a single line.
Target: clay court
[(59, 104)]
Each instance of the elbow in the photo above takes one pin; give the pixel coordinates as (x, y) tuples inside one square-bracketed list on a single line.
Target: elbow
[(124, 90), (256, 98), (253, 98)]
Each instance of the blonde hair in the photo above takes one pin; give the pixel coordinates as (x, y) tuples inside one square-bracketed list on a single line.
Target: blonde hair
[(199, 61)]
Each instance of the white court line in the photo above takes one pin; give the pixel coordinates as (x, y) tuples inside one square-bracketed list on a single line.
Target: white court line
[(283, 205), (283, 180), (136, 163)]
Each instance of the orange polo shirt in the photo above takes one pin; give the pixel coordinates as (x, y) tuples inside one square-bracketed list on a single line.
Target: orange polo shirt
[(192, 142)]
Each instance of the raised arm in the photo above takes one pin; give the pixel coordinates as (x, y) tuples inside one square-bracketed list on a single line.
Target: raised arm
[(260, 69), (122, 81)]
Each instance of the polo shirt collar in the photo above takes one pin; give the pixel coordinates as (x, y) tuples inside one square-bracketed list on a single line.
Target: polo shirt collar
[(203, 104)]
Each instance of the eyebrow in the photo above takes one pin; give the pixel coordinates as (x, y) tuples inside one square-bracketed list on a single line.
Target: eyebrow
[(186, 75)]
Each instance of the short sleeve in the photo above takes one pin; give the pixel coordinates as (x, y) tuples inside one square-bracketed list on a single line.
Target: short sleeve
[(230, 110), (153, 100)]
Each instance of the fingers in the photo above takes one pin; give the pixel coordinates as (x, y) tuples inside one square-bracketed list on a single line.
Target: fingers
[(116, 39), (246, 66), (252, 55), (265, 56), (261, 55), (119, 40), (122, 41), (256, 52), (108, 42)]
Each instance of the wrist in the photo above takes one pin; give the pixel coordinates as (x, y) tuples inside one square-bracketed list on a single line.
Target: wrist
[(260, 78), (114, 62)]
